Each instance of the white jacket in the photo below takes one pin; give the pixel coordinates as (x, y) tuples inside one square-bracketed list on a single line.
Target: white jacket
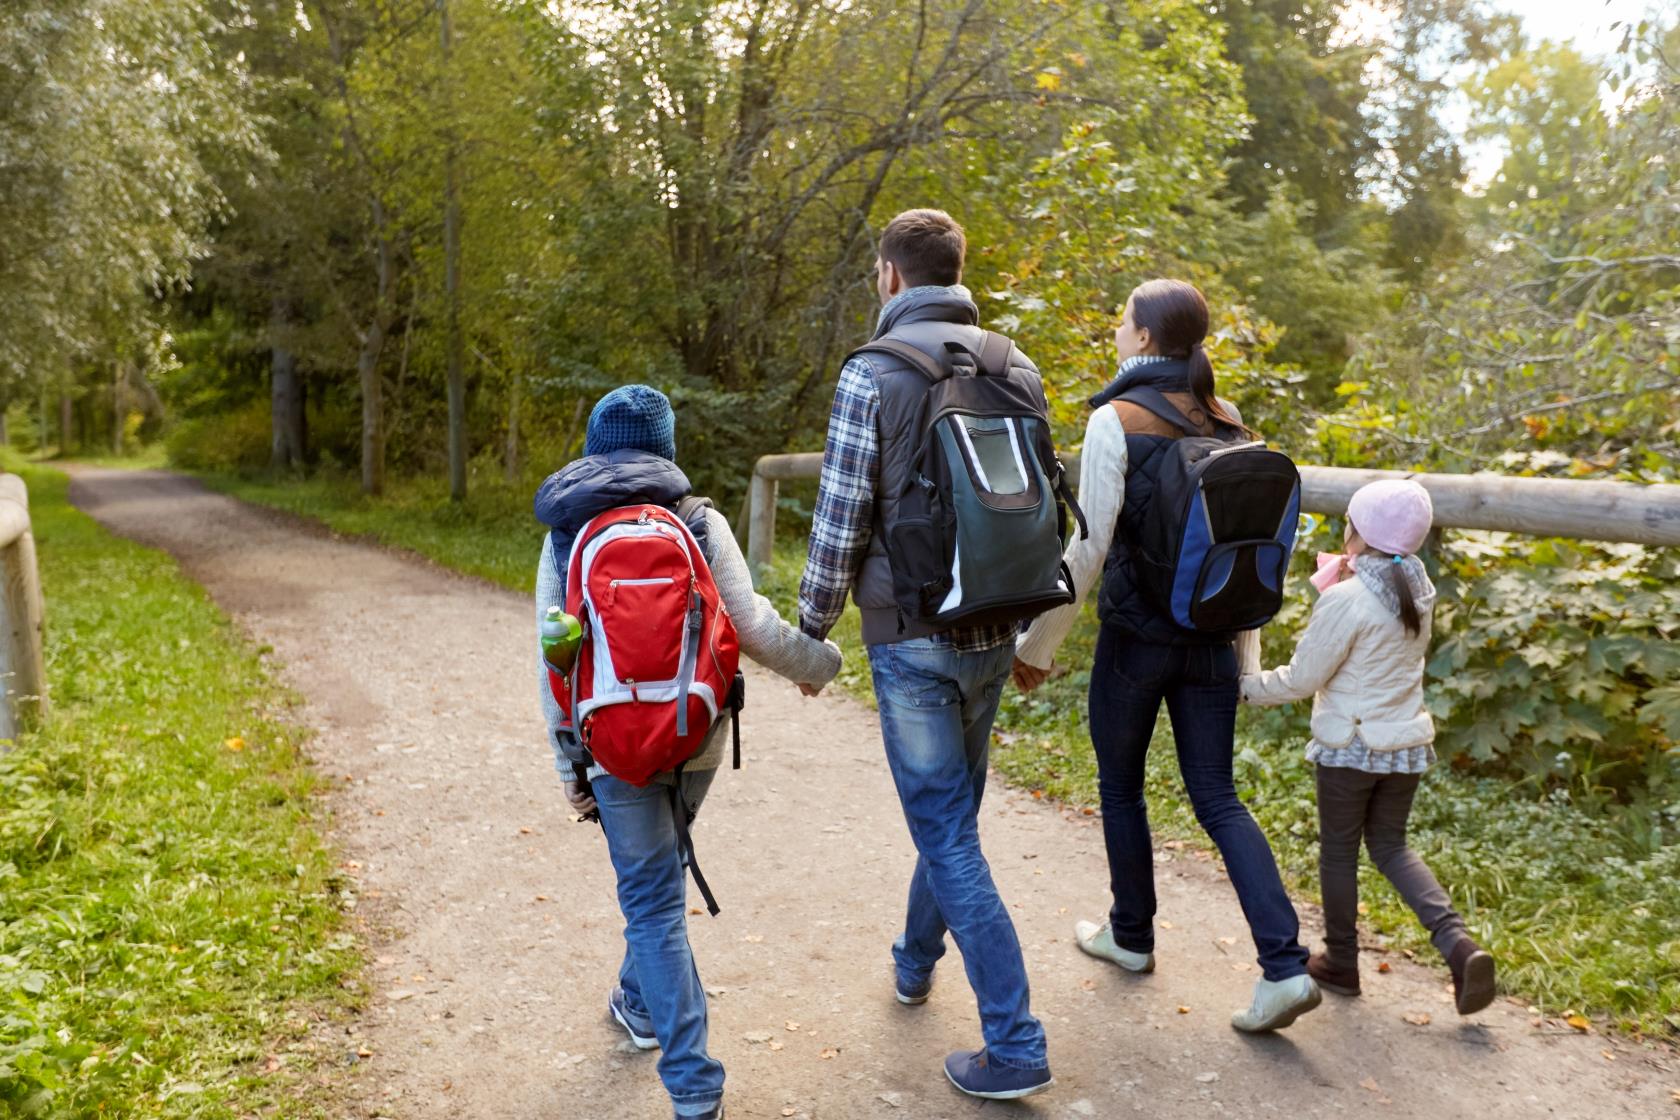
[(1362, 669)]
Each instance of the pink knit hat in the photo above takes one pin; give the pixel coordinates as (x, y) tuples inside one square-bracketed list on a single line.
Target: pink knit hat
[(1392, 515)]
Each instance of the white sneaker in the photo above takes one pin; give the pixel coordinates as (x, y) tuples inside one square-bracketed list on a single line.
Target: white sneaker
[(1099, 942), (1278, 1003)]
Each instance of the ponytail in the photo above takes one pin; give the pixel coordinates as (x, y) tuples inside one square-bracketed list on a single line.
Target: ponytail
[(1201, 387), (1176, 315), (1409, 617)]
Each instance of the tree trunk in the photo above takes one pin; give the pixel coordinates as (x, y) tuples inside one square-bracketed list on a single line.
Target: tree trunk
[(510, 453), (285, 392), (66, 419), (373, 408), (118, 376), (452, 276)]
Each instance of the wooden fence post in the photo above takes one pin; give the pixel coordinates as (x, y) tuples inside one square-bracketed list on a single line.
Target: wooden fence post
[(23, 676), (761, 523)]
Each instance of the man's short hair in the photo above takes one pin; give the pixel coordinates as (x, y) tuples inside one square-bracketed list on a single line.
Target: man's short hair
[(927, 246)]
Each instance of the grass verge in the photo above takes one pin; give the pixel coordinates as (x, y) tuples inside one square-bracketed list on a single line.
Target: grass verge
[(1582, 916), (168, 927)]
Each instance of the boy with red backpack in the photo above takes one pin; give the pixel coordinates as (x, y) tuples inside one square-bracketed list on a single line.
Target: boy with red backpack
[(639, 722)]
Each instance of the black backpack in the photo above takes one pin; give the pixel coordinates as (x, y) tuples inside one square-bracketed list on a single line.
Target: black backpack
[(980, 534), (1214, 544)]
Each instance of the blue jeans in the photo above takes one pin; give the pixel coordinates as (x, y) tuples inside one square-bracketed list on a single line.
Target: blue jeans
[(1129, 680), (658, 975), (937, 707)]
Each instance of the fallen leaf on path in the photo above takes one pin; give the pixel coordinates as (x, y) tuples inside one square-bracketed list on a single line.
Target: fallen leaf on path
[(363, 1052), (694, 910), (789, 1111), (828, 1053), (792, 1025), (1183, 1010), (1417, 1018), (525, 830), (1088, 813), (1609, 1057), (1227, 941), (1384, 966), (1166, 924), (1579, 1022), (775, 1045), (755, 938)]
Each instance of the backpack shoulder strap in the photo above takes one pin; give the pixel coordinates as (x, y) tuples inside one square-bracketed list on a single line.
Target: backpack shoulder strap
[(925, 363), (691, 511), (1155, 401), (995, 350)]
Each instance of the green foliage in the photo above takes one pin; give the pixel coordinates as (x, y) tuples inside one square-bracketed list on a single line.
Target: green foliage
[(232, 441), (1561, 664), (167, 912), (111, 114)]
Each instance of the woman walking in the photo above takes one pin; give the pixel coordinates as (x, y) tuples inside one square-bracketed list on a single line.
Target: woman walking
[(1144, 658), (1361, 660)]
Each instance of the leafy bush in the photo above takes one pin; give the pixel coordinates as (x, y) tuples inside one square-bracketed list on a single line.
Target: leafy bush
[(233, 441), (1559, 663)]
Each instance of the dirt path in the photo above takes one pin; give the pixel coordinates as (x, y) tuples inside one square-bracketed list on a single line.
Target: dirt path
[(503, 933)]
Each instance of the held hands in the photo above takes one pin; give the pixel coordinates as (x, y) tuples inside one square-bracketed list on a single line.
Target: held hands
[(579, 801), (1028, 677)]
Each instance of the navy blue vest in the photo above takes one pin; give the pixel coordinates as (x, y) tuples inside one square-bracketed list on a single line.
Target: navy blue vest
[(1121, 605)]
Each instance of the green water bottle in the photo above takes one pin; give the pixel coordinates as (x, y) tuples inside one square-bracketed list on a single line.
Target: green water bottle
[(561, 636)]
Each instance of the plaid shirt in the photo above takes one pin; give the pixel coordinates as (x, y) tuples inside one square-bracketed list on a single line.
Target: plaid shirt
[(845, 515)]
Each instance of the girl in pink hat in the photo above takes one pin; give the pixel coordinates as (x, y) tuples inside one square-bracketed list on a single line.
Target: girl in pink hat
[(1361, 660)]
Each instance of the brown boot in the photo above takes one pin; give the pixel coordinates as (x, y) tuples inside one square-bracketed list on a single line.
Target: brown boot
[(1341, 979), (1472, 973)]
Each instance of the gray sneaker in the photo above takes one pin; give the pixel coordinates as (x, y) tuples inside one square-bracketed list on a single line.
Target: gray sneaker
[(1099, 942), (1278, 1003)]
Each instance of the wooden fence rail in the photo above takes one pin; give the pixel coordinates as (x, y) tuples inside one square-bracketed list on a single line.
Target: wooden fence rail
[(22, 672), (1540, 507)]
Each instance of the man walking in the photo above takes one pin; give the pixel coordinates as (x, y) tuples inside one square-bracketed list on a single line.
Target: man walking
[(937, 689)]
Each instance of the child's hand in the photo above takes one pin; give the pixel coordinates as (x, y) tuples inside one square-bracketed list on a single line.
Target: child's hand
[(1028, 677)]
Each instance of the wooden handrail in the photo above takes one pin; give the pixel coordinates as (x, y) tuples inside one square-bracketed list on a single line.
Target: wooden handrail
[(22, 672), (1632, 512)]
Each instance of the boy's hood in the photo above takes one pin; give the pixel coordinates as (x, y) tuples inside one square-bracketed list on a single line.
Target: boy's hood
[(577, 492)]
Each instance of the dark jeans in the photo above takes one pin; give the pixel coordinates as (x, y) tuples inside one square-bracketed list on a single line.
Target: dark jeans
[(1129, 681), (1353, 804)]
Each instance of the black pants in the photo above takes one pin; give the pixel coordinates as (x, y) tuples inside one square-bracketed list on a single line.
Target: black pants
[(1129, 682), (1354, 805)]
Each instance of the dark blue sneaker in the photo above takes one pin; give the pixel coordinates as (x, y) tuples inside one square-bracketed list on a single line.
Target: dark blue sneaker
[(974, 1074), (912, 994), (715, 1114), (638, 1026)]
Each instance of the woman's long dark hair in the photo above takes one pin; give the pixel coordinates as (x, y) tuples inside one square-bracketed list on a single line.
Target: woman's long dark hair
[(1176, 316)]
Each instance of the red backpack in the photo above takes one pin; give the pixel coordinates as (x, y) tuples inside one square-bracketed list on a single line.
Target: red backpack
[(659, 661)]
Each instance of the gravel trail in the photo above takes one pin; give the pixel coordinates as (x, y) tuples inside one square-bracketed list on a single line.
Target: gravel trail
[(497, 934)]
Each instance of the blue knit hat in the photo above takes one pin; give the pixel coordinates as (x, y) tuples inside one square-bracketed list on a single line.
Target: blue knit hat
[(633, 416)]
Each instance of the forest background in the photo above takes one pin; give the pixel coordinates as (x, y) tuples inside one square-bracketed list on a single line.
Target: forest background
[(373, 260)]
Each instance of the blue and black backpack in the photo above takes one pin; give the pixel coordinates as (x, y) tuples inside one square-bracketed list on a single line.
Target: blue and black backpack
[(1214, 544)]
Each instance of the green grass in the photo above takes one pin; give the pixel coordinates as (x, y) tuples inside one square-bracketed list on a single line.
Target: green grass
[(168, 913), (1582, 915)]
